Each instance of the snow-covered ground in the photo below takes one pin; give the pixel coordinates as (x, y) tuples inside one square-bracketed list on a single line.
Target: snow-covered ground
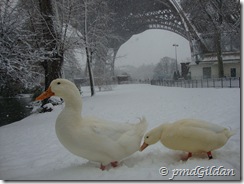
[(30, 150)]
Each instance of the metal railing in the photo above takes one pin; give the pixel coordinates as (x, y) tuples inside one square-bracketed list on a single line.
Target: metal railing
[(202, 83)]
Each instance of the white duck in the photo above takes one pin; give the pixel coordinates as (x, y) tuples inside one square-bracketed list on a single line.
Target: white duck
[(90, 138), (189, 135)]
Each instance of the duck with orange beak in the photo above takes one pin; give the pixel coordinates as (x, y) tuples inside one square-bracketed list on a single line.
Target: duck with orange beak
[(88, 137), (189, 135)]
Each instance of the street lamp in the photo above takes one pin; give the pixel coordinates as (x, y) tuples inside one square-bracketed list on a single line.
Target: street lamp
[(176, 45)]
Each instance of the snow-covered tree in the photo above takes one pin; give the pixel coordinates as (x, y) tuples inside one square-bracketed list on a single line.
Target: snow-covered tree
[(44, 30), (218, 23), (93, 22), (18, 67), (51, 22), (164, 69)]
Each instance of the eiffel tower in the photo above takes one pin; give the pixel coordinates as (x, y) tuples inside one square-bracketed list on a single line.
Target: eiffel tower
[(135, 16)]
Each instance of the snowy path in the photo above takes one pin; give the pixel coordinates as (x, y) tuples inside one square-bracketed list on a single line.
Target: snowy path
[(29, 149)]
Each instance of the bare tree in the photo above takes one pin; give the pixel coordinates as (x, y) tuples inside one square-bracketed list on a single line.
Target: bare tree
[(164, 69), (218, 23), (88, 46), (93, 23), (50, 42)]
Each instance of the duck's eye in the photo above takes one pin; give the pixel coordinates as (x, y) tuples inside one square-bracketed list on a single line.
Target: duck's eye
[(58, 83), (147, 137)]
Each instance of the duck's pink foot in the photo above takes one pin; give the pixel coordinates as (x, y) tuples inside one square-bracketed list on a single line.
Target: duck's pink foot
[(114, 164), (184, 158), (209, 155), (189, 155), (102, 167)]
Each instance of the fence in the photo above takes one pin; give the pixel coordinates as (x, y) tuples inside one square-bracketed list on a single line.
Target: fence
[(203, 83)]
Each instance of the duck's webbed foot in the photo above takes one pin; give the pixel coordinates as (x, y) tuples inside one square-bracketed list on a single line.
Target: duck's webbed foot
[(187, 157), (114, 164), (209, 155), (102, 167)]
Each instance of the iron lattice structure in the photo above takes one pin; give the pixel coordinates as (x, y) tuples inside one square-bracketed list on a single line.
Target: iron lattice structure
[(135, 16)]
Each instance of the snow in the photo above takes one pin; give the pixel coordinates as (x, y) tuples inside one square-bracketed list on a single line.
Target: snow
[(30, 149), (48, 106)]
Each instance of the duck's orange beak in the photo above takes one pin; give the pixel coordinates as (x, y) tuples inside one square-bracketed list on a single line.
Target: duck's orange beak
[(143, 146), (45, 94)]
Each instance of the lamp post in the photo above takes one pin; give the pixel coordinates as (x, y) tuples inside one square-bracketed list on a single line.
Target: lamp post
[(176, 45)]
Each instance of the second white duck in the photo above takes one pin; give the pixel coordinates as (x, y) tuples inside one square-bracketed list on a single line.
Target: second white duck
[(96, 140), (189, 135)]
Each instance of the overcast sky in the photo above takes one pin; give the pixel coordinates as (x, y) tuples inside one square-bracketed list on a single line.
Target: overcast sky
[(151, 45)]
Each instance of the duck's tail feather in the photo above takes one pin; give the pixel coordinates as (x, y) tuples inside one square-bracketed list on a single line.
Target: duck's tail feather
[(141, 127), (230, 133)]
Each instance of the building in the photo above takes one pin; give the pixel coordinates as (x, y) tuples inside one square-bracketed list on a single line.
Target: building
[(207, 66), (123, 79)]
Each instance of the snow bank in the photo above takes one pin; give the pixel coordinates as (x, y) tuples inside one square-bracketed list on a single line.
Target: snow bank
[(30, 150)]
